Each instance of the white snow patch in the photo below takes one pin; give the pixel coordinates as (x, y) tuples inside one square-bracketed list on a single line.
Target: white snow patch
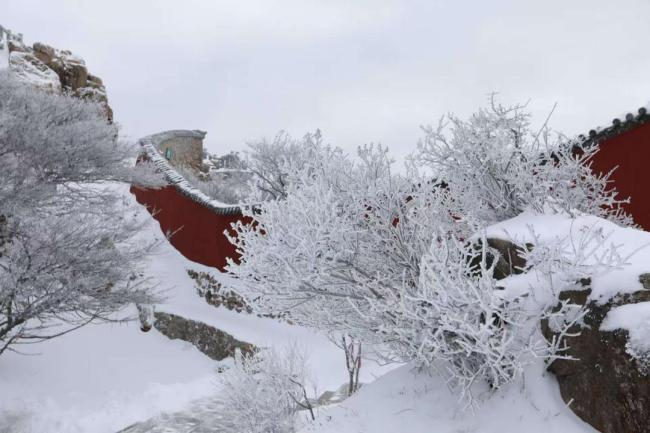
[(635, 319), (100, 378), (29, 69), (631, 244)]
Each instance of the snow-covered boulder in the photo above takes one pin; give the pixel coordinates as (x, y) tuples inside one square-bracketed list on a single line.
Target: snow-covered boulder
[(606, 384)]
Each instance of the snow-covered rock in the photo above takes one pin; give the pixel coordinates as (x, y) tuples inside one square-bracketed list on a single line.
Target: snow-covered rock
[(29, 69), (50, 68), (607, 383)]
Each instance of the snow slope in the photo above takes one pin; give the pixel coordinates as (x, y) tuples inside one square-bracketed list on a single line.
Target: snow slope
[(406, 401), (325, 359), (99, 379), (104, 377)]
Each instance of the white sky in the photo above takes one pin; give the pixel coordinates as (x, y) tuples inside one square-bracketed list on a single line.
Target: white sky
[(360, 71)]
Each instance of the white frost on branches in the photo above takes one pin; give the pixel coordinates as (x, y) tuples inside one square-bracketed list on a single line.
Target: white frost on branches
[(263, 393), (351, 247), (497, 167), (67, 255)]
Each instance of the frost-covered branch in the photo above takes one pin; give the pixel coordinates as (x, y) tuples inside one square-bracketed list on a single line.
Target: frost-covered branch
[(67, 249)]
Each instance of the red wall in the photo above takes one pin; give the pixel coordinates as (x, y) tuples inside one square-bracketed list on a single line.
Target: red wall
[(630, 151), (200, 235)]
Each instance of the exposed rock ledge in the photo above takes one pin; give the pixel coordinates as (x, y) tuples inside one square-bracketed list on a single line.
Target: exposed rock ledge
[(605, 386), (211, 341)]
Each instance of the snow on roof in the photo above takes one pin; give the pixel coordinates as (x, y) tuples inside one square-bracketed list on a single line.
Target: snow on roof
[(150, 147)]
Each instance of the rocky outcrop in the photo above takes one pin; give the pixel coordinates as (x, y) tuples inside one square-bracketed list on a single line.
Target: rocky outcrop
[(604, 386), (211, 341), (52, 69)]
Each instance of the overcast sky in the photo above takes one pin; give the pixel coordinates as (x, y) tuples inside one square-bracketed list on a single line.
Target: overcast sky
[(361, 71)]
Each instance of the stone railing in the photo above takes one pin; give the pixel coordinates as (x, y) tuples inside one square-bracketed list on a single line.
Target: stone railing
[(150, 145)]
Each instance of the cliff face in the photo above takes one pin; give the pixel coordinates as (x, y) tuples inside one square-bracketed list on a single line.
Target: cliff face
[(50, 68)]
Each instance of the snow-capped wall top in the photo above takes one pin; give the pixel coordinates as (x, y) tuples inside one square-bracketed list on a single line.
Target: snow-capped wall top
[(151, 145)]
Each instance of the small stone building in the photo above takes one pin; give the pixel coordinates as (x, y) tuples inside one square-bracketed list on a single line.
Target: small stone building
[(183, 148)]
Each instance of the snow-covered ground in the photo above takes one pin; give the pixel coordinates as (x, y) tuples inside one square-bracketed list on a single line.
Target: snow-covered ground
[(407, 401), (99, 379), (104, 377)]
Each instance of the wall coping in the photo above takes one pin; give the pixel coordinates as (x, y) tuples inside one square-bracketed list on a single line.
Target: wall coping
[(149, 146)]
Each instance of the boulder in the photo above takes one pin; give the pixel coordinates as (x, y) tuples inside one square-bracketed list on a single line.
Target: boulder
[(507, 254), (45, 53), (604, 385), (510, 260)]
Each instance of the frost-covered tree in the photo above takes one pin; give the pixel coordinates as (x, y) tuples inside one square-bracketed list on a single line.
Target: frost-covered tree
[(67, 255), (496, 166), (271, 161)]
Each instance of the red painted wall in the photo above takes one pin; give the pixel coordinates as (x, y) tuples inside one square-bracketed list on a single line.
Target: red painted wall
[(630, 151), (198, 229)]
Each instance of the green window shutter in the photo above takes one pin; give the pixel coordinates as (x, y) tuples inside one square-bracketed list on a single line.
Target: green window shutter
[(168, 153)]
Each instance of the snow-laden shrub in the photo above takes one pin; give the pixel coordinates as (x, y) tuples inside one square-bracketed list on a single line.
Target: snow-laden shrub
[(348, 231), (496, 167), (355, 248), (263, 393)]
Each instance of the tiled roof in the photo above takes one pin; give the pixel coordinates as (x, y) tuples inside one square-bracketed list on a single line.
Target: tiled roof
[(617, 127), (149, 146)]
